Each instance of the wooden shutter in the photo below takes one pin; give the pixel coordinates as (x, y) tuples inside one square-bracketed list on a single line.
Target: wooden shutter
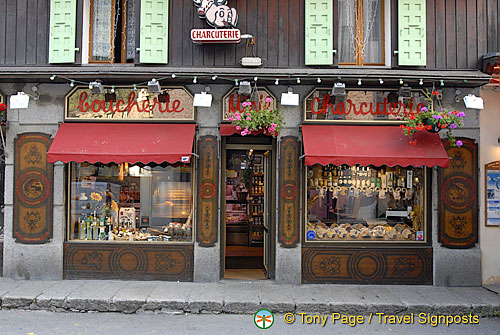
[(62, 31), (154, 31), (412, 32), (319, 32)]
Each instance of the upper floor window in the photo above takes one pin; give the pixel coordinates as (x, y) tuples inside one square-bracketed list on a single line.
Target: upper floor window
[(112, 31), (361, 32)]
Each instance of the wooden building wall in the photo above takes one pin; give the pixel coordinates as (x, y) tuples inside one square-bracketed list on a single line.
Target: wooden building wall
[(459, 32)]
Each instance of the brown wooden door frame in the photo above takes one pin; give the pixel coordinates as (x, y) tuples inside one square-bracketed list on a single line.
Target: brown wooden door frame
[(272, 196)]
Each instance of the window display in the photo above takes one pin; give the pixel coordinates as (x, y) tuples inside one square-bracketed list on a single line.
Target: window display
[(365, 203), (130, 202)]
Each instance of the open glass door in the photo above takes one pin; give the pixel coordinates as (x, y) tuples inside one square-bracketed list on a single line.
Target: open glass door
[(267, 209)]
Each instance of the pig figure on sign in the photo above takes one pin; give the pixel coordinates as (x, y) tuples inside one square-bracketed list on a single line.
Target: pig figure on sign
[(221, 16), (204, 5)]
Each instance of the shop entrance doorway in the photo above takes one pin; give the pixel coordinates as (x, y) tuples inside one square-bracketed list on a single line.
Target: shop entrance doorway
[(246, 212)]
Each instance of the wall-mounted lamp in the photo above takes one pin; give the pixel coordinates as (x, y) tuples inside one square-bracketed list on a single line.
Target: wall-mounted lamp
[(405, 91), (245, 88), (338, 89), (154, 86), (96, 87)]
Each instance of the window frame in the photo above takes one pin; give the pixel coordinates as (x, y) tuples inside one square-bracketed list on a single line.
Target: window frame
[(427, 220), (358, 56), (123, 37), (69, 168)]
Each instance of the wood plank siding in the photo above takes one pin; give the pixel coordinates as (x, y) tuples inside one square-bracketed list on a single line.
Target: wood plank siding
[(459, 32)]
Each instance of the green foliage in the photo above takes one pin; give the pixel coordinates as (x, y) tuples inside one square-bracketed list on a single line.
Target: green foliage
[(434, 118), (252, 120)]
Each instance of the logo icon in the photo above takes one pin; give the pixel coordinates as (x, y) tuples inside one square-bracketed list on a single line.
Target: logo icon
[(263, 319), (311, 235), (420, 235)]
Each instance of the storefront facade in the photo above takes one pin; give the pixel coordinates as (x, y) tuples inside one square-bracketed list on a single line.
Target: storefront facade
[(136, 183)]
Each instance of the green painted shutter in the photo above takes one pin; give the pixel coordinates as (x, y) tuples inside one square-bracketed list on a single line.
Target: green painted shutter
[(154, 31), (62, 31), (412, 32), (319, 32)]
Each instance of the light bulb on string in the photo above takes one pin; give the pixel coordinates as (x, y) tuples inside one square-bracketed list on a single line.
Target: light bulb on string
[(318, 80), (72, 84), (214, 77), (113, 89), (381, 81), (255, 79), (298, 80), (441, 82), (195, 80), (236, 82), (359, 82), (53, 77), (277, 82), (173, 76), (91, 86), (401, 81), (421, 82), (135, 87)]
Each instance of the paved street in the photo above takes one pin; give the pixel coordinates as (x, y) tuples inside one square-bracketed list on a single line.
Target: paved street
[(16, 322)]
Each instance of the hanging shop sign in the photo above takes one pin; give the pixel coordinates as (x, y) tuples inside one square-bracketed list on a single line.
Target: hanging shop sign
[(218, 15), (361, 105), (233, 101), (216, 35), (128, 104)]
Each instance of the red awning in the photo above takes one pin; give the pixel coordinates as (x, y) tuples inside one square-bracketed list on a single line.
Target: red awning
[(120, 143), (371, 145)]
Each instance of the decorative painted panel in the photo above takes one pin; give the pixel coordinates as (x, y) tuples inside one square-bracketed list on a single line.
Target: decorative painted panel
[(288, 216), (174, 103), (458, 209), (232, 102), (206, 232), (367, 265), (128, 261), (33, 183)]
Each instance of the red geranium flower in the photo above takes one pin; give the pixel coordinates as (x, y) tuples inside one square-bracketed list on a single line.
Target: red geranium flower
[(435, 93), (3, 107), (413, 142)]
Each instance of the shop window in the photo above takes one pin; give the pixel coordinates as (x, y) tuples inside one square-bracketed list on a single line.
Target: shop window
[(365, 203), (130, 202), (361, 32), (112, 31)]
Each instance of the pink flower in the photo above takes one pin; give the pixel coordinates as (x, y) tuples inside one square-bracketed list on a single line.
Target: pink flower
[(249, 118), (249, 114), (231, 118), (238, 117), (236, 114), (238, 128), (268, 99), (273, 124)]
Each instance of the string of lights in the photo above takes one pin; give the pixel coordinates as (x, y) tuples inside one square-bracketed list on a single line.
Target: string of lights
[(287, 81)]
